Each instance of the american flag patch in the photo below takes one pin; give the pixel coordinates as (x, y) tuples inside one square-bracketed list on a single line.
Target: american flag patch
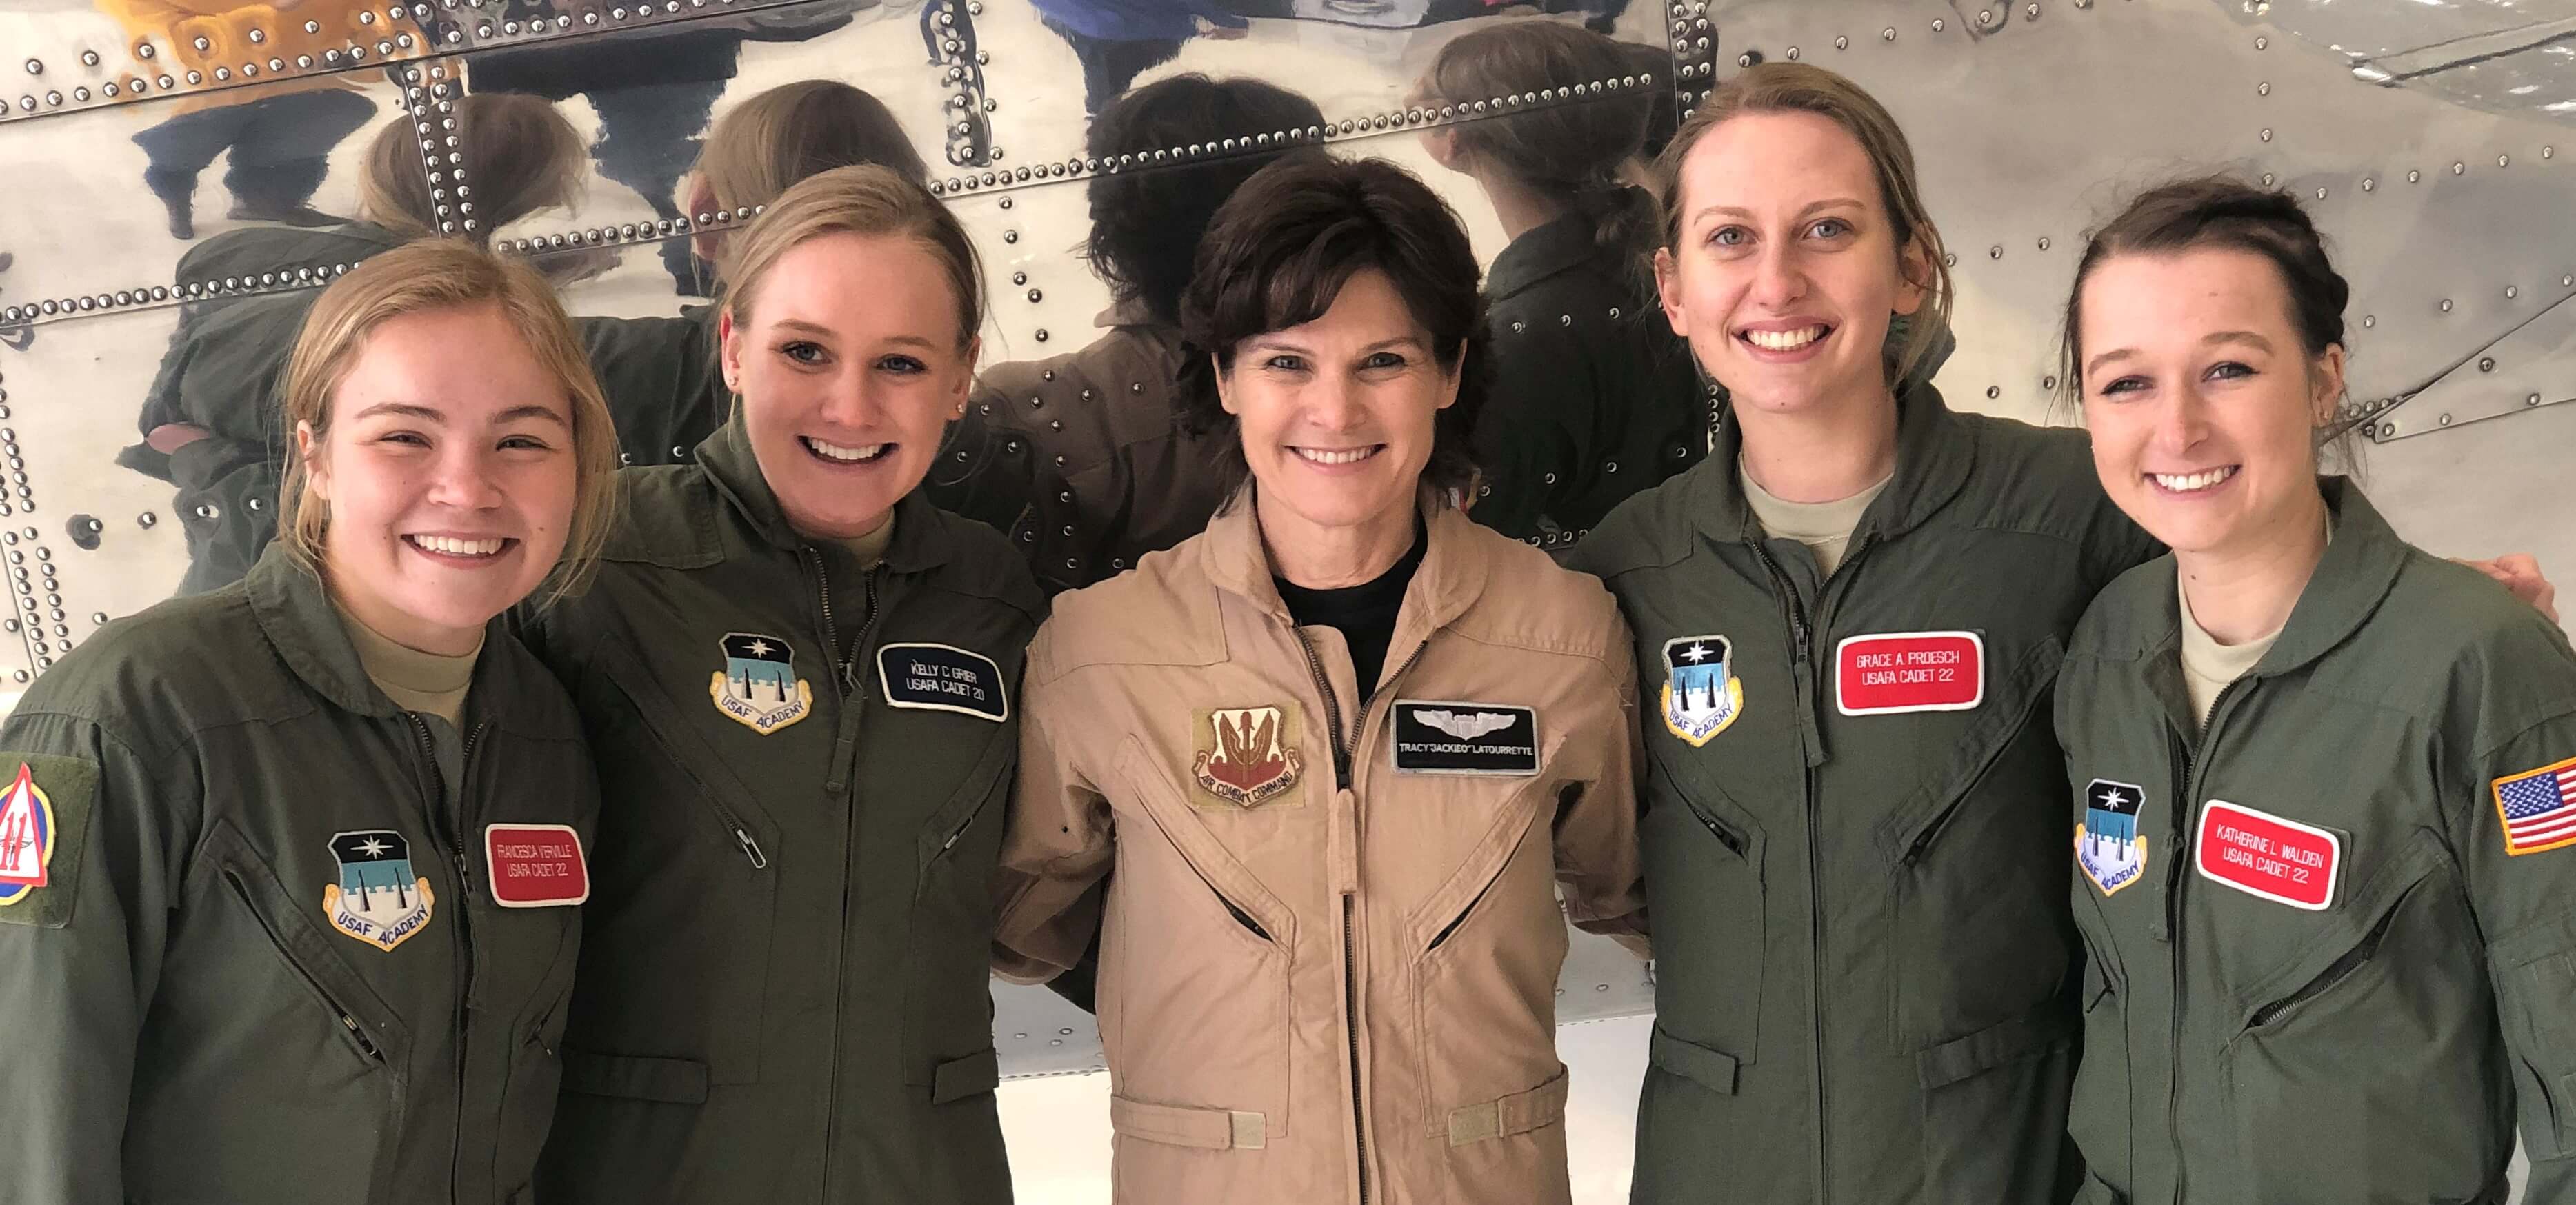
[(2538, 808)]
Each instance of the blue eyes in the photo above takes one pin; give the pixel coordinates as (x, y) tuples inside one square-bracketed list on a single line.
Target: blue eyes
[(1822, 228)]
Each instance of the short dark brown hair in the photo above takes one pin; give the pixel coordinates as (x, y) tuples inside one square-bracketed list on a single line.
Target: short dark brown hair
[(1146, 225), (1280, 251)]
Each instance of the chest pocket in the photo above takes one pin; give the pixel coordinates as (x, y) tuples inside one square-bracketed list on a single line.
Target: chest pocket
[(1979, 854), (1704, 878), (949, 1046)]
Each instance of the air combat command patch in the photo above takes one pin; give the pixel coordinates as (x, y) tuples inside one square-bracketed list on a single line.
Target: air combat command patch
[(758, 686), (44, 822), (379, 899), (1701, 695), (1254, 757)]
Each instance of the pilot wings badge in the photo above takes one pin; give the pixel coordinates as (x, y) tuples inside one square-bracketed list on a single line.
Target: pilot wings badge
[(1702, 695), (1255, 758)]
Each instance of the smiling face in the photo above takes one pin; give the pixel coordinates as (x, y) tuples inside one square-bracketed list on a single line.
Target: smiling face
[(1338, 414), (2202, 401), (1787, 271), (849, 364), (451, 479)]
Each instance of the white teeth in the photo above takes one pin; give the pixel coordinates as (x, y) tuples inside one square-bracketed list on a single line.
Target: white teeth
[(837, 452), (1784, 340), (1352, 456), (455, 547), (2191, 482)]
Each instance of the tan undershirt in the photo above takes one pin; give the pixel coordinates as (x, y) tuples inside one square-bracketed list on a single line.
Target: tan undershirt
[(1824, 527), (416, 681), (2207, 665), (871, 548)]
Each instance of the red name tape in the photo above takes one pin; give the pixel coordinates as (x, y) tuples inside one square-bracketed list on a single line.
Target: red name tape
[(2262, 854), (1909, 671), (535, 865)]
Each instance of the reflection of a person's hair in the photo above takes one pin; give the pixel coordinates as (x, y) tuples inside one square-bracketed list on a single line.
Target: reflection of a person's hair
[(660, 373), (1083, 453), (772, 140), (1594, 398), (209, 420)]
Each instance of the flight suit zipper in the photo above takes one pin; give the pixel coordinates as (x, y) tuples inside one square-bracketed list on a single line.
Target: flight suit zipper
[(2186, 770), (1342, 774), (432, 794), (1801, 649), (845, 683)]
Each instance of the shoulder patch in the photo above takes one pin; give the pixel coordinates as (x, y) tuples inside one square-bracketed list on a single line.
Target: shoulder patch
[(2538, 808), (943, 677), (44, 826)]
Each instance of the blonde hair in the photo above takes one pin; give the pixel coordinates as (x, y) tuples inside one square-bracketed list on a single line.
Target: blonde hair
[(425, 277), (1801, 88), (520, 153), (764, 145), (864, 199)]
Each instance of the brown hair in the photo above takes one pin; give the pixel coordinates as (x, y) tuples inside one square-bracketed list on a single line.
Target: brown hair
[(1800, 88), (1573, 150), (520, 155), (2225, 213), (771, 141), (1146, 225), (1280, 251), (862, 199), (425, 277)]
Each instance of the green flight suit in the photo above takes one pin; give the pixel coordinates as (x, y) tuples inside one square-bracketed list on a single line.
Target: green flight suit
[(267, 963), (1863, 955), (785, 998), (2322, 969)]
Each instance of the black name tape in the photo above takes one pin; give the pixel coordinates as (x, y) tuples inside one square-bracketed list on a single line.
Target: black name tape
[(939, 677), (1465, 738)]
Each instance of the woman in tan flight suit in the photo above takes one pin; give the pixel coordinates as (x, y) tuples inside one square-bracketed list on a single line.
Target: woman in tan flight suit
[(1338, 749)]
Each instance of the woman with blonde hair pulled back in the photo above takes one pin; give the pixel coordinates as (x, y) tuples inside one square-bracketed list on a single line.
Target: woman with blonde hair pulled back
[(288, 871), (801, 680), (1852, 615)]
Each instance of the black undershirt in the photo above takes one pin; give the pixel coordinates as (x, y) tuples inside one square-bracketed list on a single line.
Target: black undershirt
[(1364, 614)]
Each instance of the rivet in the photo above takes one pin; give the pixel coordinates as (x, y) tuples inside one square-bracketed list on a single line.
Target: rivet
[(1842, 43), (2368, 184), (1041, 335), (2369, 320), (1995, 252), (2446, 420), (1938, 24), (2446, 305), (2266, 135), (2048, 382), (2511, 292), (2459, 169), (2043, 242), (2486, 364), (2321, 194), (1888, 34), (2531, 400), (2412, 177), (2262, 43), (1994, 391), (1950, 259), (2504, 160), (2263, 89)]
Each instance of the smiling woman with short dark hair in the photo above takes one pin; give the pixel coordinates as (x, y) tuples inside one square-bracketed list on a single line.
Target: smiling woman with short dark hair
[(1339, 749)]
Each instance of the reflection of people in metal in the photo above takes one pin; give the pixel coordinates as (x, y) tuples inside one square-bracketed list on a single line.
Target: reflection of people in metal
[(1334, 913), (1081, 458), (209, 421), (1595, 399), (278, 137), (1117, 40), (248, 980), (659, 372), (793, 1005), (652, 87)]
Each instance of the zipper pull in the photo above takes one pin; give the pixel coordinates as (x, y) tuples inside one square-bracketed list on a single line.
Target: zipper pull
[(359, 1032), (751, 849)]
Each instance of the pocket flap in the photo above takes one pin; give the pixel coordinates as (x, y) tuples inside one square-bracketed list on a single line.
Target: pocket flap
[(677, 1081), (2048, 1027), (1184, 1125), (960, 1078), (1518, 1113), (1714, 1070), (2012, 697)]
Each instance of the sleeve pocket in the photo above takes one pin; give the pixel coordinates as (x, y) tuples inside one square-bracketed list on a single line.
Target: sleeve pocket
[(676, 1081), (2539, 999), (1710, 1069), (973, 1075)]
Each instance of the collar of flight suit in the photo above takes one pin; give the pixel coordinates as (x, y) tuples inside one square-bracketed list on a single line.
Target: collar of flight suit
[(2359, 568), (1450, 579), (1933, 460), (735, 471), (294, 612)]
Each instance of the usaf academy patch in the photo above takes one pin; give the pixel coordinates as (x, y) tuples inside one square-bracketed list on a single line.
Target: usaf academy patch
[(758, 687), (44, 822), (1251, 756), (1465, 738), (1701, 695), (379, 899), (2108, 848), (941, 677)]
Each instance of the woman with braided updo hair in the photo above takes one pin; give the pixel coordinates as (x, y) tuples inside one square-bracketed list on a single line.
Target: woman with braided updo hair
[(2323, 782), (1594, 398)]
